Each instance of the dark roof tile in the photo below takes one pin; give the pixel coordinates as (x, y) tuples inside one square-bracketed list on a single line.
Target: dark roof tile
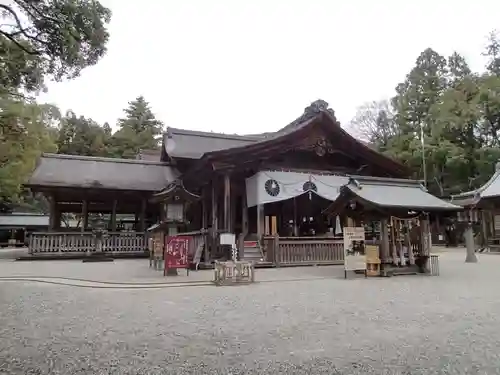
[(84, 172)]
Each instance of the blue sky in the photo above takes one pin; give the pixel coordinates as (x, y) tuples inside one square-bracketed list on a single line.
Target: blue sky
[(237, 66)]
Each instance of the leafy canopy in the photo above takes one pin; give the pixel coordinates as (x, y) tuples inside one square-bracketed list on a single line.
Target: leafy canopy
[(49, 38)]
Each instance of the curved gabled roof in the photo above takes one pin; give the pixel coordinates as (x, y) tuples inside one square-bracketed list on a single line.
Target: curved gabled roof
[(491, 189), (317, 114)]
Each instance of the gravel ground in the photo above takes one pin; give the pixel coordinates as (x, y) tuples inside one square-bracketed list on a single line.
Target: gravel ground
[(401, 325)]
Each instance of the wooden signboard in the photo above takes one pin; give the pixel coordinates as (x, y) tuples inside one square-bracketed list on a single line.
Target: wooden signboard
[(176, 253), (354, 249)]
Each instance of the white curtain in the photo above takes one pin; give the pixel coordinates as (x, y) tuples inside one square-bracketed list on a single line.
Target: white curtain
[(285, 185)]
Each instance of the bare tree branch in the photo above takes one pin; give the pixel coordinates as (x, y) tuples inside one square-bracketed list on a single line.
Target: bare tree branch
[(373, 122), (21, 30)]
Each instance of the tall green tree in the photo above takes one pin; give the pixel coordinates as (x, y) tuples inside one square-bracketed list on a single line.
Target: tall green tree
[(445, 114), (416, 96), (24, 135), (82, 136), (49, 38), (492, 52), (138, 130)]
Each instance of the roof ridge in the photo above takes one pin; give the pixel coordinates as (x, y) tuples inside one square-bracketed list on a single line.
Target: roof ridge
[(201, 133), (480, 189), (103, 159), (384, 180)]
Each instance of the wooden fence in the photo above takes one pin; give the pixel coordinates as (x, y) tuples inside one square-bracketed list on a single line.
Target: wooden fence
[(287, 251), (84, 242)]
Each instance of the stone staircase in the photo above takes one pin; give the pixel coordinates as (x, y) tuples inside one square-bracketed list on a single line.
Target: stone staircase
[(252, 254), (252, 251)]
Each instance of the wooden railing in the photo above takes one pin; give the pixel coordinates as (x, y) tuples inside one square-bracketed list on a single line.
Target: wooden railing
[(303, 250), (83, 242)]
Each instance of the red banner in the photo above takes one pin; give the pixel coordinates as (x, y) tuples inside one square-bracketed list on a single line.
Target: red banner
[(176, 251)]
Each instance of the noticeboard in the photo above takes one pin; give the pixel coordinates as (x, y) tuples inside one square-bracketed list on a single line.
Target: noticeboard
[(176, 251), (354, 249)]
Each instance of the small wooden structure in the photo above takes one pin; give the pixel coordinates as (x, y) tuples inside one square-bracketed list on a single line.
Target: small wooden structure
[(279, 193), (87, 186), (402, 207), (234, 273), (481, 208)]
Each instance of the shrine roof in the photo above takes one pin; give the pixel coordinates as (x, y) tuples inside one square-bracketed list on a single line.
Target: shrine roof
[(393, 193), (59, 170), (316, 117), (192, 144), (491, 189)]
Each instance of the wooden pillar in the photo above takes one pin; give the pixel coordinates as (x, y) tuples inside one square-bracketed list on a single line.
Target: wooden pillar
[(142, 216), (204, 208), (469, 241), (52, 213), (113, 216), (260, 220), (425, 234), (57, 218), (232, 215), (384, 241), (214, 208), (85, 215), (214, 220), (484, 229), (244, 215), (227, 203)]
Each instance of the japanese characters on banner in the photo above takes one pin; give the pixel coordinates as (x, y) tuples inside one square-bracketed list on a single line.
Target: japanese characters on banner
[(354, 249), (176, 251)]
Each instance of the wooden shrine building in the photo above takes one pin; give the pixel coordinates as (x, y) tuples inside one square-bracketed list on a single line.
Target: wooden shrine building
[(482, 207), (285, 195)]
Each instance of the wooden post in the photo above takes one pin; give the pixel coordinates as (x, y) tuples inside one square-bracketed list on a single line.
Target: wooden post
[(52, 213), (384, 241), (57, 218), (394, 239), (113, 216), (244, 215), (227, 203), (85, 215), (484, 229), (215, 224), (424, 235), (260, 221), (411, 257), (204, 209), (142, 216)]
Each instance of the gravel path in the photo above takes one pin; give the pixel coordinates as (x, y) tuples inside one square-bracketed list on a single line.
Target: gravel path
[(402, 325)]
